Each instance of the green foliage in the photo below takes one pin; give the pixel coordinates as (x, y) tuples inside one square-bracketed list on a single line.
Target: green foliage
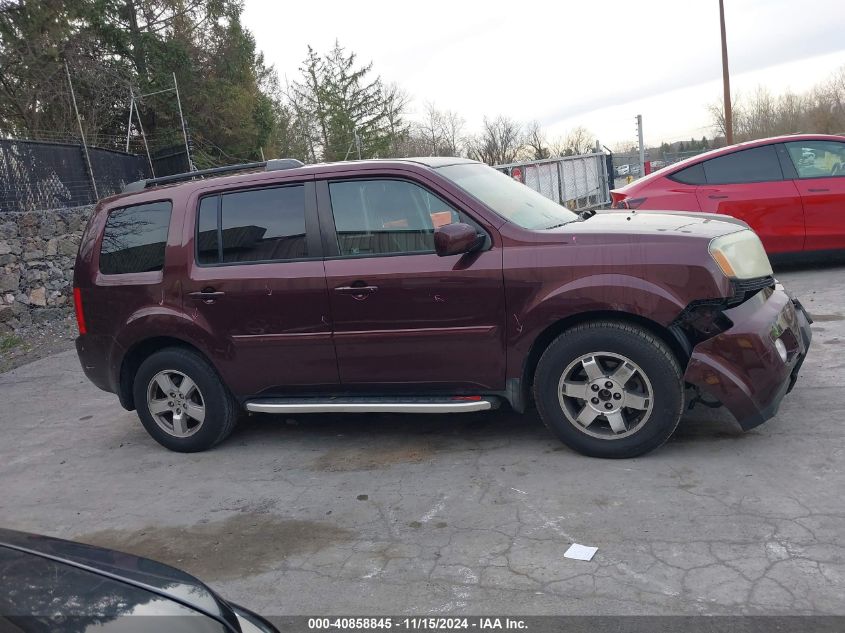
[(8, 341), (35, 39), (344, 111), (231, 100), (230, 97)]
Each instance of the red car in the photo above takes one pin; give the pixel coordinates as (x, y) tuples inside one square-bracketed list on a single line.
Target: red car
[(789, 189)]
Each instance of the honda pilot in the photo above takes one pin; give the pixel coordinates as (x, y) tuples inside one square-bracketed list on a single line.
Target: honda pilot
[(430, 285)]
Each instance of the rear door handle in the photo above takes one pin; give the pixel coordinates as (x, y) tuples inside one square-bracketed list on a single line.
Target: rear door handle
[(207, 295), (817, 190), (715, 197)]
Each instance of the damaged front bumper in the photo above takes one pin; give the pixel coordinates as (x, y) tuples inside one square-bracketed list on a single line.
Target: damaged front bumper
[(742, 366)]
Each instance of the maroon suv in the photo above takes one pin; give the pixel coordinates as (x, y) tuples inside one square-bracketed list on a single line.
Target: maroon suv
[(431, 285)]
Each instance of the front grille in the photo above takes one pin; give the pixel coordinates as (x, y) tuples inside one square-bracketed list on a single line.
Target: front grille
[(752, 285), (705, 318), (746, 288)]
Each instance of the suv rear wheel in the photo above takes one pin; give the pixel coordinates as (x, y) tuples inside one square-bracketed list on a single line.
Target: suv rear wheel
[(182, 402), (609, 389)]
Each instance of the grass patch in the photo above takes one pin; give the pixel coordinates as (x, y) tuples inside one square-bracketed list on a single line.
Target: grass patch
[(8, 341)]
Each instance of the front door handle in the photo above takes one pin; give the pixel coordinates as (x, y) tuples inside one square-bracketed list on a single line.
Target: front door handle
[(817, 190), (356, 290), (715, 197)]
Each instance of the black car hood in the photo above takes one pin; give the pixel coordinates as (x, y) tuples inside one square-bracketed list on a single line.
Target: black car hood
[(141, 572)]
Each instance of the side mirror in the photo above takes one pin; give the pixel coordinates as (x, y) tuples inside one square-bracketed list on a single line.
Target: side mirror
[(457, 238)]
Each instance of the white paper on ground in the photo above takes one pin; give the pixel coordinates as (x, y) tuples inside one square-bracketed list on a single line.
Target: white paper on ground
[(580, 552)]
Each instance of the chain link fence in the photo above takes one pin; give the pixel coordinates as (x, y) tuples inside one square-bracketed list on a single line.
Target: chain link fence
[(39, 175)]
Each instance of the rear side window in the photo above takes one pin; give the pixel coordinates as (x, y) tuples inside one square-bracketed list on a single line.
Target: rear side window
[(758, 164), (134, 239), (261, 225), (692, 175)]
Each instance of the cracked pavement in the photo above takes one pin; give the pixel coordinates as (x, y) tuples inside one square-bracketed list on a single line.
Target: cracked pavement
[(463, 514)]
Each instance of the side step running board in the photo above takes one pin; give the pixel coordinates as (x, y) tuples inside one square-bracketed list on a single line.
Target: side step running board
[(370, 405)]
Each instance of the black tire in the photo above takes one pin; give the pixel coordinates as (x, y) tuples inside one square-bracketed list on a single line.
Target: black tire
[(221, 410), (655, 360)]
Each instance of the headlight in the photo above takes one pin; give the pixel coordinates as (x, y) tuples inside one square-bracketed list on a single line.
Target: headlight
[(741, 255)]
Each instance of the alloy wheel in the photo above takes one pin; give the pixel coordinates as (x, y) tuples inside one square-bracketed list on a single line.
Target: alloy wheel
[(175, 403), (605, 395)]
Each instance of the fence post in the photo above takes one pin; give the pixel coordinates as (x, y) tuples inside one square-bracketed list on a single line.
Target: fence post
[(82, 134), (144, 136), (182, 121)]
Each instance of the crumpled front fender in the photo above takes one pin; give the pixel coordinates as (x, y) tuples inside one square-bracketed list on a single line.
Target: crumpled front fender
[(742, 368)]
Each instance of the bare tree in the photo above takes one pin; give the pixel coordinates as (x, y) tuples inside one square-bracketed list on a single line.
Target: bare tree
[(791, 108), (761, 114), (624, 147), (826, 105), (500, 141), (396, 102), (577, 141), (430, 130), (453, 129), (717, 115), (440, 133), (535, 139)]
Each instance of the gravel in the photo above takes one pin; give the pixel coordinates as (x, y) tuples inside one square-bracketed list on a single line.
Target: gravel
[(36, 341)]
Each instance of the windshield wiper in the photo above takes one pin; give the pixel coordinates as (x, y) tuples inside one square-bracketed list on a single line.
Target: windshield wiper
[(557, 226)]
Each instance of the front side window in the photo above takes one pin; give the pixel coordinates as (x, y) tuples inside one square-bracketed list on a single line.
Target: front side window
[(817, 159), (134, 239), (381, 217), (758, 164), (260, 225)]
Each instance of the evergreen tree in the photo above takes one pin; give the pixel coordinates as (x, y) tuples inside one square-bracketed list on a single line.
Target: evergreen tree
[(349, 112)]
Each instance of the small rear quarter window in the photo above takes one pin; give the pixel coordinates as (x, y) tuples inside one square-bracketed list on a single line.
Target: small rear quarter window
[(208, 248), (692, 175), (134, 239)]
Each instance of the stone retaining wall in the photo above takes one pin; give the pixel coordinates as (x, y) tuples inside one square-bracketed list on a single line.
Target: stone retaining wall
[(37, 254)]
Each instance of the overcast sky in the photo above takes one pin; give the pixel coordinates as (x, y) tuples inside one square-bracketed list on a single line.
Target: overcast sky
[(595, 63)]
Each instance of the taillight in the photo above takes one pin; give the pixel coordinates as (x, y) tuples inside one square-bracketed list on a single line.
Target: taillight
[(631, 203), (77, 306)]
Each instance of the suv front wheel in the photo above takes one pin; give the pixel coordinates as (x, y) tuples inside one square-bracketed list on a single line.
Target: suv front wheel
[(609, 389), (182, 402)]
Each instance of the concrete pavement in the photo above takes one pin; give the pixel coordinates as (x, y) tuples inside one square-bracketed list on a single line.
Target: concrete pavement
[(358, 514)]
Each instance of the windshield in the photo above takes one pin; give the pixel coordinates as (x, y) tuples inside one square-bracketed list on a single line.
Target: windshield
[(511, 199)]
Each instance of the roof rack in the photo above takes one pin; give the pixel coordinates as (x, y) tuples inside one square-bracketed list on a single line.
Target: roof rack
[(269, 165)]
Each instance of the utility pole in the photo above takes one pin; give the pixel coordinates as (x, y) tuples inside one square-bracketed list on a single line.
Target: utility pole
[(82, 134), (726, 80), (642, 146)]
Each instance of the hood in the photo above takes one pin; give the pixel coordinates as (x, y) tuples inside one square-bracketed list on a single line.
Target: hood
[(676, 223), (140, 572)]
